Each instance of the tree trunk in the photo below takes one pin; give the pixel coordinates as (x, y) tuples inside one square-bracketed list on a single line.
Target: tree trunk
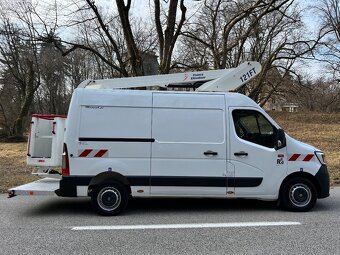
[(167, 40), (134, 54), (18, 129)]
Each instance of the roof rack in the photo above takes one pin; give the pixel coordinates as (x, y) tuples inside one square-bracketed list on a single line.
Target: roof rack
[(213, 80)]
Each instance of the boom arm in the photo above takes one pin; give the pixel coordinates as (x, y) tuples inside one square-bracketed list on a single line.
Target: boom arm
[(215, 80), (234, 79)]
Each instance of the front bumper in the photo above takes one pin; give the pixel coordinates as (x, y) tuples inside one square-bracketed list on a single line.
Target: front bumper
[(322, 178)]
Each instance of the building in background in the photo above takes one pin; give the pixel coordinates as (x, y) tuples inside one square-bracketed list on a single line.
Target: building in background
[(281, 105)]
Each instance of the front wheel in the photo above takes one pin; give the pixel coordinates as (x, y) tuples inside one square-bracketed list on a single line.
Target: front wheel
[(298, 194), (110, 199)]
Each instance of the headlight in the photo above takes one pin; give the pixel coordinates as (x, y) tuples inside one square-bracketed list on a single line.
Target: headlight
[(321, 157)]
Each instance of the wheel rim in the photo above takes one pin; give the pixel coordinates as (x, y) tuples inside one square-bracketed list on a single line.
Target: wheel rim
[(109, 198), (300, 195)]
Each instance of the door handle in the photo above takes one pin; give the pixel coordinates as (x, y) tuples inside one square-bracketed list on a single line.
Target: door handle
[(210, 153), (241, 153)]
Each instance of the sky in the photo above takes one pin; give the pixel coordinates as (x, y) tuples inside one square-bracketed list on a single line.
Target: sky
[(140, 8), (313, 69)]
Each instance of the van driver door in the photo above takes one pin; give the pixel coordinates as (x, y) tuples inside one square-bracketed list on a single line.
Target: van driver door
[(259, 167)]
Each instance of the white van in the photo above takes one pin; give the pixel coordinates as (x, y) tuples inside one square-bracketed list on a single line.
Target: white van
[(145, 143)]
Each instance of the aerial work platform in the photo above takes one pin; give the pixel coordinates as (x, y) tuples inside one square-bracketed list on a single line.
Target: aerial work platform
[(47, 131), (213, 80)]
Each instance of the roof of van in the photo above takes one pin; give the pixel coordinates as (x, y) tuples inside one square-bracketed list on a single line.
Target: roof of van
[(107, 97)]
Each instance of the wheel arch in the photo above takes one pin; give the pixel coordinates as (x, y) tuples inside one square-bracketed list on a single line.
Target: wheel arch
[(305, 175), (107, 177)]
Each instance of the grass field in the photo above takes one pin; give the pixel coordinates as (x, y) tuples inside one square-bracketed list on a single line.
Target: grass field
[(319, 129), (13, 168)]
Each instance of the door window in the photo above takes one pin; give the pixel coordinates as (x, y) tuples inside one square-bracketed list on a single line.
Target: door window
[(252, 126)]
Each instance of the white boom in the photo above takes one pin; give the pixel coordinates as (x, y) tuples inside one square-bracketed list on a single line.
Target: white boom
[(236, 78), (216, 80)]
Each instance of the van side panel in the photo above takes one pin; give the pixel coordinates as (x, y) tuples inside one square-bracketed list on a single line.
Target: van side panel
[(185, 127), (113, 134), (115, 123)]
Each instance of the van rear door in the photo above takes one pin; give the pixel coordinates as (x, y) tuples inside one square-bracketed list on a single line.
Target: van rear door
[(189, 152)]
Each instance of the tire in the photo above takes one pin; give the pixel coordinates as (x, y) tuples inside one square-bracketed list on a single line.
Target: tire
[(298, 195), (110, 199)]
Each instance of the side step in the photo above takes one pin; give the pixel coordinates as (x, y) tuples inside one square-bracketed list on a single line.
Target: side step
[(45, 186)]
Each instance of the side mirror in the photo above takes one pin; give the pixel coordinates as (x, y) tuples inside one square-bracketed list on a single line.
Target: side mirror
[(280, 140)]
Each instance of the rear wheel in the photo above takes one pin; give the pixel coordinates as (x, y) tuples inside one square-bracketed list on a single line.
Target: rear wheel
[(110, 198), (298, 194)]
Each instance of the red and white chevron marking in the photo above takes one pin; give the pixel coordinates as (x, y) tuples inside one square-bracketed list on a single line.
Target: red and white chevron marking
[(90, 153), (300, 157)]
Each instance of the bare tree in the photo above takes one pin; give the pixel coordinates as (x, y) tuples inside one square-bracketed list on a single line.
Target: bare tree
[(227, 33), (53, 70), (322, 95), (167, 38), (329, 11), (20, 66), (134, 53), (128, 54), (114, 39)]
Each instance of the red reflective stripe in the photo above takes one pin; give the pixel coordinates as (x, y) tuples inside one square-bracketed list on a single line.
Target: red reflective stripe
[(308, 157), (48, 116), (100, 153), (85, 153), (294, 157)]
